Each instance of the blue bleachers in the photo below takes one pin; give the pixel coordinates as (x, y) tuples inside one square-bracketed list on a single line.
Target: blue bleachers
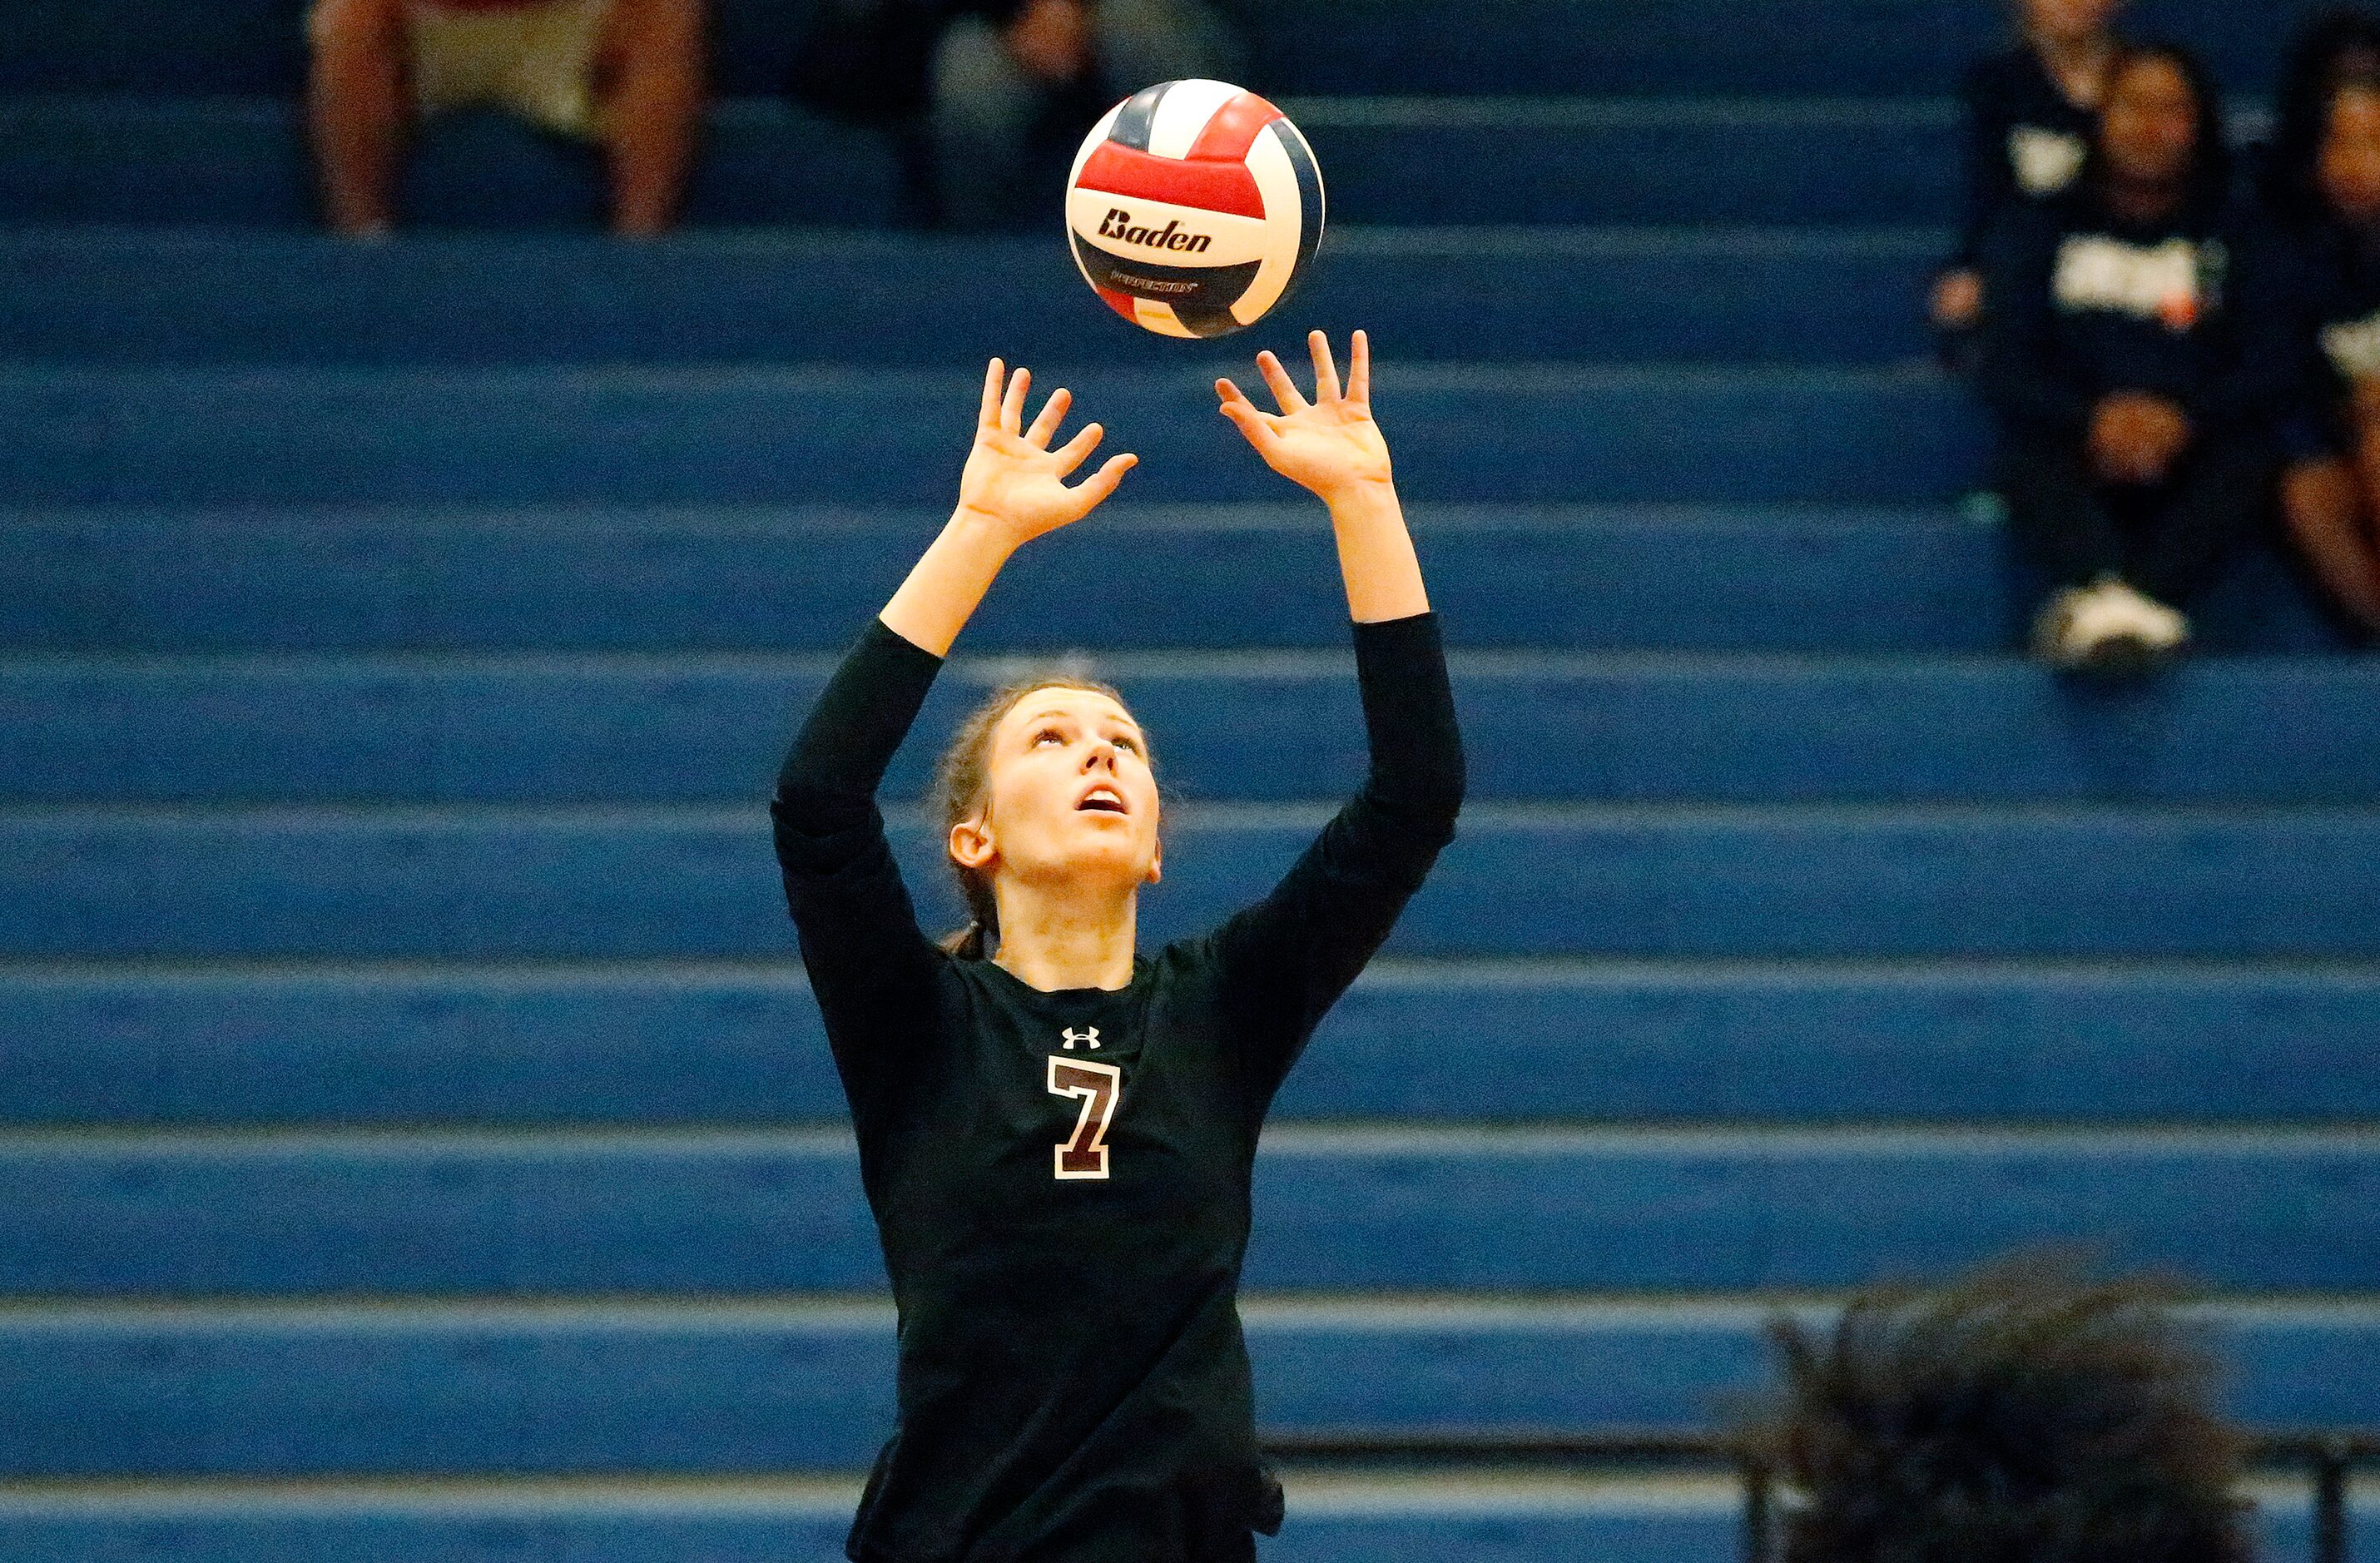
[(1720, 294), (1742, 1042), (1403, 1207), (1381, 1520), (1339, 47), (241, 162), (1545, 727), (812, 434), (747, 1387), (418, 1145), (1643, 577), (616, 882)]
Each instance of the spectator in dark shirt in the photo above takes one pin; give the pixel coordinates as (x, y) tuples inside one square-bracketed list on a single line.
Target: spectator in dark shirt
[(2029, 113), (987, 100), (2134, 349), (2331, 488), (1015, 93), (2335, 48), (624, 74)]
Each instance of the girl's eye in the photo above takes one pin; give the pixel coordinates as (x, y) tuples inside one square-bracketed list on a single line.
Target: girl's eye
[(1129, 745), (1048, 735)]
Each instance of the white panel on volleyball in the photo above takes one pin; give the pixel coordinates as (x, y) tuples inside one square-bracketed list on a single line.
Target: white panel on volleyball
[(1276, 179), (1099, 133), (1233, 241), (1182, 113)]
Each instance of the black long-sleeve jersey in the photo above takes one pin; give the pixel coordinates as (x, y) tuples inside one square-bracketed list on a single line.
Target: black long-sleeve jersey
[(1061, 1179), (2025, 141)]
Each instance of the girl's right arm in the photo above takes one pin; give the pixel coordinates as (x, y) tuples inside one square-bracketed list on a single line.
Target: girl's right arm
[(859, 930)]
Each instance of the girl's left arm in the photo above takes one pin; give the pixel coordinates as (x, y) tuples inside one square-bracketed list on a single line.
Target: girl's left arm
[(1331, 446), (1288, 958)]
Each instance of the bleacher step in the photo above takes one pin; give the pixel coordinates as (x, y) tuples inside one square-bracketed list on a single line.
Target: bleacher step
[(664, 729), (91, 296), (649, 881), (691, 1387), (1511, 1518), (1882, 47), (90, 1213), (1528, 434), (719, 577), (2015, 1043)]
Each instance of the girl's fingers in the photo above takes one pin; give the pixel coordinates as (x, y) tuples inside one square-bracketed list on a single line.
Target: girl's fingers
[(1326, 373), (1256, 425), (1012, 407), (995, 375), (1054, 413), (1073, 452), (1285, 389), (1359, 371), (1100, 484), (1235, 397)]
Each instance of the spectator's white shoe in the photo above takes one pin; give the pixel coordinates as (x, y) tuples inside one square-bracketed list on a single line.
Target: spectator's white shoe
[(2107, 629), (2162, 626), (2054, 638)]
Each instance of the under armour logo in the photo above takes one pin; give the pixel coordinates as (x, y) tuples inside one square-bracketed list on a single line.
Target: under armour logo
[(1090, 1034)]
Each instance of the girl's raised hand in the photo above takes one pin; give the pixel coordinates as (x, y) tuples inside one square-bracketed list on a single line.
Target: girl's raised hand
[(1014, 480), (1330, 444)]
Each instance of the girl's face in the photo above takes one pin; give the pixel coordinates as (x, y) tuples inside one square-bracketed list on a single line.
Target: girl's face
[(2148, 126), (2069, 22), (1071, 797), (2349, 166)]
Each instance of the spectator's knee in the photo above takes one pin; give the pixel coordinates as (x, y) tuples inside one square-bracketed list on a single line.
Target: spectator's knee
[(353, 29), (2318, 498), (662, 37), (977, 89), (1145, 41)]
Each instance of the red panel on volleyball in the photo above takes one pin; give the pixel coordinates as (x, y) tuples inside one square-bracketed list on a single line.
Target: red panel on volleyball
[(1233, 129), (1209, 186)]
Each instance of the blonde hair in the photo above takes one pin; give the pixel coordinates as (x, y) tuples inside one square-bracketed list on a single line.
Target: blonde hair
[(961, 782)]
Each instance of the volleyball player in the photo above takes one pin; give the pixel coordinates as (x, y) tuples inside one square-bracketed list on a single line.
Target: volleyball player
[(1056, 1131)]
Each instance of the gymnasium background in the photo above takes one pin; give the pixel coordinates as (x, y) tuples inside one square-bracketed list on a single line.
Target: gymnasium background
[(416, 1143)]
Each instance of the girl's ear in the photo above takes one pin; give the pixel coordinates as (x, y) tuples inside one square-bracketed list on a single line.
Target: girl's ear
[(971, 844), (1156, 863)]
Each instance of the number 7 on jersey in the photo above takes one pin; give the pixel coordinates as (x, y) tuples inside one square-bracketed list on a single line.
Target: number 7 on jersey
[(1084, 1153)]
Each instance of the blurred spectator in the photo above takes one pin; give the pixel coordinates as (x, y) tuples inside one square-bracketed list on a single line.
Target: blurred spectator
[(626, 74), (2135, 348), (2030, 113), (989, 99), (2018, 1414), (1013, 96), (2336, 47), (2330, 488)]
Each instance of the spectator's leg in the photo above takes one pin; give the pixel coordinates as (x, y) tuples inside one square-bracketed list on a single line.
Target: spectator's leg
[(2056, 512), (2321, 502), (2213, 500), (985, 109), (1141, 43), (355, 109), (652, 71)]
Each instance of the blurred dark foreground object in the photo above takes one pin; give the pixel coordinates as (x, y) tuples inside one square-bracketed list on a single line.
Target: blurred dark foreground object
[(2021, 1415)]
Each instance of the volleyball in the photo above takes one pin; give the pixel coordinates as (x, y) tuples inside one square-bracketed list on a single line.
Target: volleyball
[(1194, 207)]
